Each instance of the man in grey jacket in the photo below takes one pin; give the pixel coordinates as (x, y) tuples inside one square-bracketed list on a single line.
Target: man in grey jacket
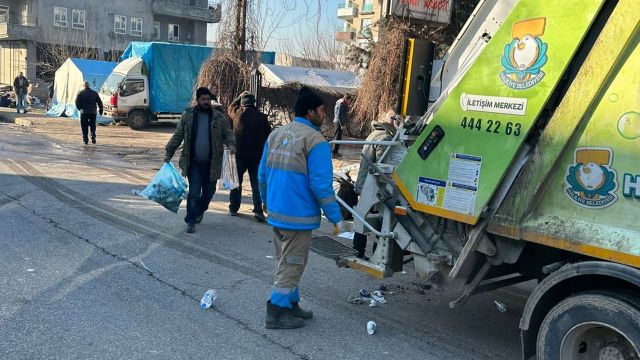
[(340, 118)]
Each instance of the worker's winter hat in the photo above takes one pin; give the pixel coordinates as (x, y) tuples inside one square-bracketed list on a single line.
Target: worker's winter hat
[(306, 100), (247, 99)]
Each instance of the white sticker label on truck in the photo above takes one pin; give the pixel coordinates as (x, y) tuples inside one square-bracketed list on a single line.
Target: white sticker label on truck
[(493, 104)]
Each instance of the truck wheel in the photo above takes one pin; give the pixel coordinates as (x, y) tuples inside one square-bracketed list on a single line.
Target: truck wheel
[(138, 120), (591, 325)]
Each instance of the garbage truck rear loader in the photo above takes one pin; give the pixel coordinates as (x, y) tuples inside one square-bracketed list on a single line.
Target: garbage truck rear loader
[(526, 167)]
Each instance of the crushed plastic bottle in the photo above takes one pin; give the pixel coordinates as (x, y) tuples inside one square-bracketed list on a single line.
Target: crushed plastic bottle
[(371, 327), (208, 299)]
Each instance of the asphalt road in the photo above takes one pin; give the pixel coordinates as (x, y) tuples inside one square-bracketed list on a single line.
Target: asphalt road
[(90, 271)]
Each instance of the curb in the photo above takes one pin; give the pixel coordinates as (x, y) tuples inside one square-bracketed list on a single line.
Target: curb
[(16, 120)]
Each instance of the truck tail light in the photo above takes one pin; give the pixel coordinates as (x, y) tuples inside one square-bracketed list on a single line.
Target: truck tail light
[(114, 100)]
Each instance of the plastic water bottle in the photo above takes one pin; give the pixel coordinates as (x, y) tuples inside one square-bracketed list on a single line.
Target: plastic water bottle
[(208, 299)]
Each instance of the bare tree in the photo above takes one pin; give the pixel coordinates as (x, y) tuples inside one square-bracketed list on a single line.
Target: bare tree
[(56, 46)]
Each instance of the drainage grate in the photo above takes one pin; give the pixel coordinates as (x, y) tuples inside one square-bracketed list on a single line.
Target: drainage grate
[(330, 248)]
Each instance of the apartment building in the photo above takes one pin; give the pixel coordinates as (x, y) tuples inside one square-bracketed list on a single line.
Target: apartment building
[(358, 18), (103, 28)]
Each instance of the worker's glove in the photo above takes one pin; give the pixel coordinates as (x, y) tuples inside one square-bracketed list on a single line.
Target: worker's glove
[(232, 150), (339, 228)]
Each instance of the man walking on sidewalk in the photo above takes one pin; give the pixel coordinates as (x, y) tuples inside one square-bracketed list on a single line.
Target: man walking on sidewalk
[(87, 102), (296, 181), (341, 119), (21, 86), (251, 129), (204, 131)]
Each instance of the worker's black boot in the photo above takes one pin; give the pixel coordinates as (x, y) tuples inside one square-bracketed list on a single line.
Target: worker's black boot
[(299, 312), (281, 318)]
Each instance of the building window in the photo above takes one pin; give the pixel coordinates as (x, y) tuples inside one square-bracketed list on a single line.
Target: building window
[(174, 32), (120, 24), (136, 26), (4, 14), (156, 30), (367, 6), (59, 16), (78, 19)]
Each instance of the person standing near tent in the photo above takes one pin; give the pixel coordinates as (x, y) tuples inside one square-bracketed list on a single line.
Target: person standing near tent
[(203, 130), (87, 102), (340, 118), (50, 89), (21, 86), (251, 128), (296, 182)]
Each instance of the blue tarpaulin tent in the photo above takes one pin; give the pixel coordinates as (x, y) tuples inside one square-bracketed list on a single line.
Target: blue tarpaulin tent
[(173, 70), (69, 80)]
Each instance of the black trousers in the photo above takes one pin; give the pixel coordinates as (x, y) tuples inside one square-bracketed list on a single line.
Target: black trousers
[(337, 136), (88, 121), (235, 196), (201, 190)]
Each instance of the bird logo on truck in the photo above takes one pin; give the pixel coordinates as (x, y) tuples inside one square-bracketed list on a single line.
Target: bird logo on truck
[(525, 55), (591, 182)]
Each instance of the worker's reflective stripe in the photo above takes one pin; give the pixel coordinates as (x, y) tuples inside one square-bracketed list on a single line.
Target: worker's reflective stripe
[(295, 260), (287, 166), (281, 290), (327, 200), (294, 219)]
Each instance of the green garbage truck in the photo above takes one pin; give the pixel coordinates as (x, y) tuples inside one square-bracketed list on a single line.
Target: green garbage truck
[(526, 167)]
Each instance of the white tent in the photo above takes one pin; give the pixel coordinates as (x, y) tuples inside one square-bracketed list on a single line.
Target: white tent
[(338, 81), (69, 80)]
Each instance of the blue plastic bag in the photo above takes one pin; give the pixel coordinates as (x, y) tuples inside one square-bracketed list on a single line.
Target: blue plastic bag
[(168, 188)]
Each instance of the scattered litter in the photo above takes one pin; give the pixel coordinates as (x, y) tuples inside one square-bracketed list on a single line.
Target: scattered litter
[(355, 300), (382, 287), (371, 327), (364, 294), (269, 257), (208, 299), (373, 303), (347, 235), (31, 270), (404, 272), (502, 307), (377, 296), (145, 266)]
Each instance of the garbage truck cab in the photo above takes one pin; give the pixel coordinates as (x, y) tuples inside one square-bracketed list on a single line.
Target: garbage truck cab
[(125, 93), (526, 167)]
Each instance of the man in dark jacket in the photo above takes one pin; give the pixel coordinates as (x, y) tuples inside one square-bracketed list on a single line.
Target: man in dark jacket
[(251, 129), (87, 102), (21, 86), (341, 119), (204, 131)]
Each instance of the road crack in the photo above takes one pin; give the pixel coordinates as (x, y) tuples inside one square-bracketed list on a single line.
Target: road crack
[(139, 266)]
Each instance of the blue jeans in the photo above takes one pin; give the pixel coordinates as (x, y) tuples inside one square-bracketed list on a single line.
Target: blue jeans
[(201, 190), (22, 102)]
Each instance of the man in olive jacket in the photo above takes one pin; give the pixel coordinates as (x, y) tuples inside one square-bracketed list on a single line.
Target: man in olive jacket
[(204, 131)]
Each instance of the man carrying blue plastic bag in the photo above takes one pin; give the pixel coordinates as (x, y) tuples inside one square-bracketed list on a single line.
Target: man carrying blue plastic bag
[(204, 131)]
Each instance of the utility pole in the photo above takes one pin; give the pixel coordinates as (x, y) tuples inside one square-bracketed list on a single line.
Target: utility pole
[(241, 28)]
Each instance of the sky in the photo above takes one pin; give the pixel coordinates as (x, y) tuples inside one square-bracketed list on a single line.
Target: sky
[(306, 11)]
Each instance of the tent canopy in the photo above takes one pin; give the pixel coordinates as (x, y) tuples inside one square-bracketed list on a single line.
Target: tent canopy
[(173, 70), (69, 80), (338, 81)]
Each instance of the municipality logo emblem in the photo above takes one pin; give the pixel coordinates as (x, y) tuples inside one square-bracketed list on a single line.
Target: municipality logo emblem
[(591, 182), (525, 56)]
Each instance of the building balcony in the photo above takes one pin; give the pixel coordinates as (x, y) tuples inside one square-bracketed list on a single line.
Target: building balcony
[(347, 11), (18, 27), (345, 34), (199, 10)]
